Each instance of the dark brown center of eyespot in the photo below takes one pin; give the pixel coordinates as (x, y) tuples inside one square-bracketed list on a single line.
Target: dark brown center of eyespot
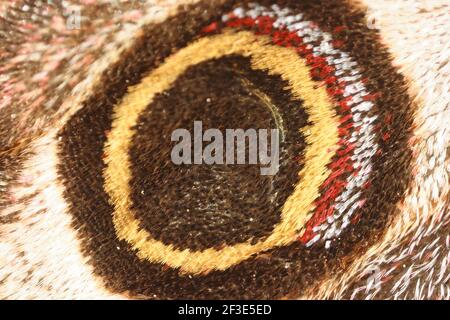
[(202, 206)]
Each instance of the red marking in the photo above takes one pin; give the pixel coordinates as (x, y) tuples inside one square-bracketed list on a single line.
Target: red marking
[(388, 118), (343, 103), (346, 118), (328, 80), (371, 97), (210, 28), (340, 162), (377, 127), (356, 218), (303, 50), (319, 68), (335, 92), (344, 131), (307, 235), (265, 24), (337, 43), (340, 29), (350, 148), (280, 38), (298, 158)]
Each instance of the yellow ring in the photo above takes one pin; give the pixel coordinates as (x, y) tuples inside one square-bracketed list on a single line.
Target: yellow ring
[(321, 138)]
